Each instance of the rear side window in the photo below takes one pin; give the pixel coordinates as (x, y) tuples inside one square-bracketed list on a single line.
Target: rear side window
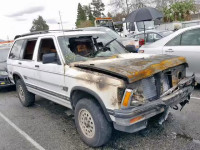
[(29, 49), (15, 52), (175, 41), (191, 37)]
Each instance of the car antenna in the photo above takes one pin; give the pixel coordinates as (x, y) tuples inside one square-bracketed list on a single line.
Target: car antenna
[(61, 23)]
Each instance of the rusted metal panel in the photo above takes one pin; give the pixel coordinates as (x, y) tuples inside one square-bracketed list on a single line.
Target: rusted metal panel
[(134, 69)]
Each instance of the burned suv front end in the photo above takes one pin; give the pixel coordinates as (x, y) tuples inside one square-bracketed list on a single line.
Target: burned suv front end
[(152, 95)]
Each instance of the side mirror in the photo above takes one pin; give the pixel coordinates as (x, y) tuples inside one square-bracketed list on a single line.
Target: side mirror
[(50, 58), (131, 48)]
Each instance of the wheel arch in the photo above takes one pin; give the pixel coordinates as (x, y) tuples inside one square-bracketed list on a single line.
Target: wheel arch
[(85, 92), (16, 76)]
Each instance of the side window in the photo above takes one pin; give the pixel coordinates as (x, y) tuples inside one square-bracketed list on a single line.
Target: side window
[(191, 37), (47, 46), (15, 52), (152, 37), (157, 37), (175, 41), (29, 49), (141, 36)]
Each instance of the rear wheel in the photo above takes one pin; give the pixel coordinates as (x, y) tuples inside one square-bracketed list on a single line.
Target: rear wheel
[(91, 123), (26, 98)]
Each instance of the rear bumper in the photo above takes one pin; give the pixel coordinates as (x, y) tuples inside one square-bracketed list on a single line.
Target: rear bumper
[(123, 117), (5, 81)]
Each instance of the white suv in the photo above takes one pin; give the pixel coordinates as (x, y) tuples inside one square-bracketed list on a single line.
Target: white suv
[(94, 75)]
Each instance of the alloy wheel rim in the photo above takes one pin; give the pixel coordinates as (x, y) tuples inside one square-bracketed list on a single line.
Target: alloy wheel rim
[(21, 93), (86, 123)]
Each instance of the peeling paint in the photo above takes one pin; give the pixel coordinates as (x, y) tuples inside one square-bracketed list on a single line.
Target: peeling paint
[(136, 69)]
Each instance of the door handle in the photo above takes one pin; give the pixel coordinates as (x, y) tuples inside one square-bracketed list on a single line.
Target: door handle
[(37, 66), (169, 50), (19, 63)]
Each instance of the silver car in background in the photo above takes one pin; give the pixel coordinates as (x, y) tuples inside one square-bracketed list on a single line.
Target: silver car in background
[(184, 42), (150, 36), (4, 80)]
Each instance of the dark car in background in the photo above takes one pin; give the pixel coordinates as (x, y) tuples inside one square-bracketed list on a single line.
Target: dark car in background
[(4, 80), (150, 36)]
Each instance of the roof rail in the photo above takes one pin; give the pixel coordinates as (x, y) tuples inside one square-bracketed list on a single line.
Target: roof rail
[(31, 33), (43, 32)]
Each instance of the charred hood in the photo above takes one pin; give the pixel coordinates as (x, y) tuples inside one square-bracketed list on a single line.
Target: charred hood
[(132, 69)]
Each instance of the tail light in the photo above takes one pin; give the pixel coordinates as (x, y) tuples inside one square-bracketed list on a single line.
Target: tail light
[(141, 42), (141, 51)]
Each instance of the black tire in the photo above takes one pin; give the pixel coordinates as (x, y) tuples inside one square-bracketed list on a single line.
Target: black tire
[(28, 98), (103, 128)]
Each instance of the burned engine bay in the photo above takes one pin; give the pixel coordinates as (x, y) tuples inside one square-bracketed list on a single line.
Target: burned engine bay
[(154, 87)]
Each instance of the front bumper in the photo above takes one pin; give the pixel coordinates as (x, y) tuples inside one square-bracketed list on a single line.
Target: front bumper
[(173, 97)]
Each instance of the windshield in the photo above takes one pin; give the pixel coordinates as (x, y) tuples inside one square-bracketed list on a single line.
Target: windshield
[(149, 25), (82, 48), (3, 57), (112, 33)]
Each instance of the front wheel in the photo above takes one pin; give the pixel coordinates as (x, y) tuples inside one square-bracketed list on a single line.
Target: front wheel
[(91, 123), (26, 98)]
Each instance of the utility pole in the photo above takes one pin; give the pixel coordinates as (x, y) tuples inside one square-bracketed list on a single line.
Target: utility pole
[(59, 25), (61, 20)]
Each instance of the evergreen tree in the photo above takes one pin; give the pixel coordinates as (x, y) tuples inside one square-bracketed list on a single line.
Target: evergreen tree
[(109, 15), (98, 8), (90, 15), (81, 15), (39, 24)]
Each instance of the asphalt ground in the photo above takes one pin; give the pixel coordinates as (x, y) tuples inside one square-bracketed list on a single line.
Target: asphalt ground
[(46, 125)]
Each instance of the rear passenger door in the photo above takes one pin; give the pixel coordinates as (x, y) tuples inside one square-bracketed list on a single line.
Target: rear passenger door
[(20, 60), (13, 58), (26, 61), (50, 76)]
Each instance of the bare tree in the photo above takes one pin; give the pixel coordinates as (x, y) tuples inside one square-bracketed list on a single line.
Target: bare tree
[(127, 6)]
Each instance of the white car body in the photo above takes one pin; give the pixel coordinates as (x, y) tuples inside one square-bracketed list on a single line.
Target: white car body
[(190, 49)]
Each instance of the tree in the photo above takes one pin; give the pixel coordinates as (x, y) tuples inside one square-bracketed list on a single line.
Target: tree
[(81, 15), (127, 6), (86, 23), (98, 8), (119, 17), (39, 24), (109, 15), (179, 11), (90, 15), (88, 12)]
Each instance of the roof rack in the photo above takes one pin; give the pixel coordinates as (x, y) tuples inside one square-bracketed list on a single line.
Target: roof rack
[(43, 32)]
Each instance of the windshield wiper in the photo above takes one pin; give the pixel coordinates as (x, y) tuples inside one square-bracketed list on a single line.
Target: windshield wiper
[(104, 48), (109, 43)]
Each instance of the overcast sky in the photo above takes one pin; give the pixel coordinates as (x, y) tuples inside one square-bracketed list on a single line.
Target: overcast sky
[(16, 16)]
